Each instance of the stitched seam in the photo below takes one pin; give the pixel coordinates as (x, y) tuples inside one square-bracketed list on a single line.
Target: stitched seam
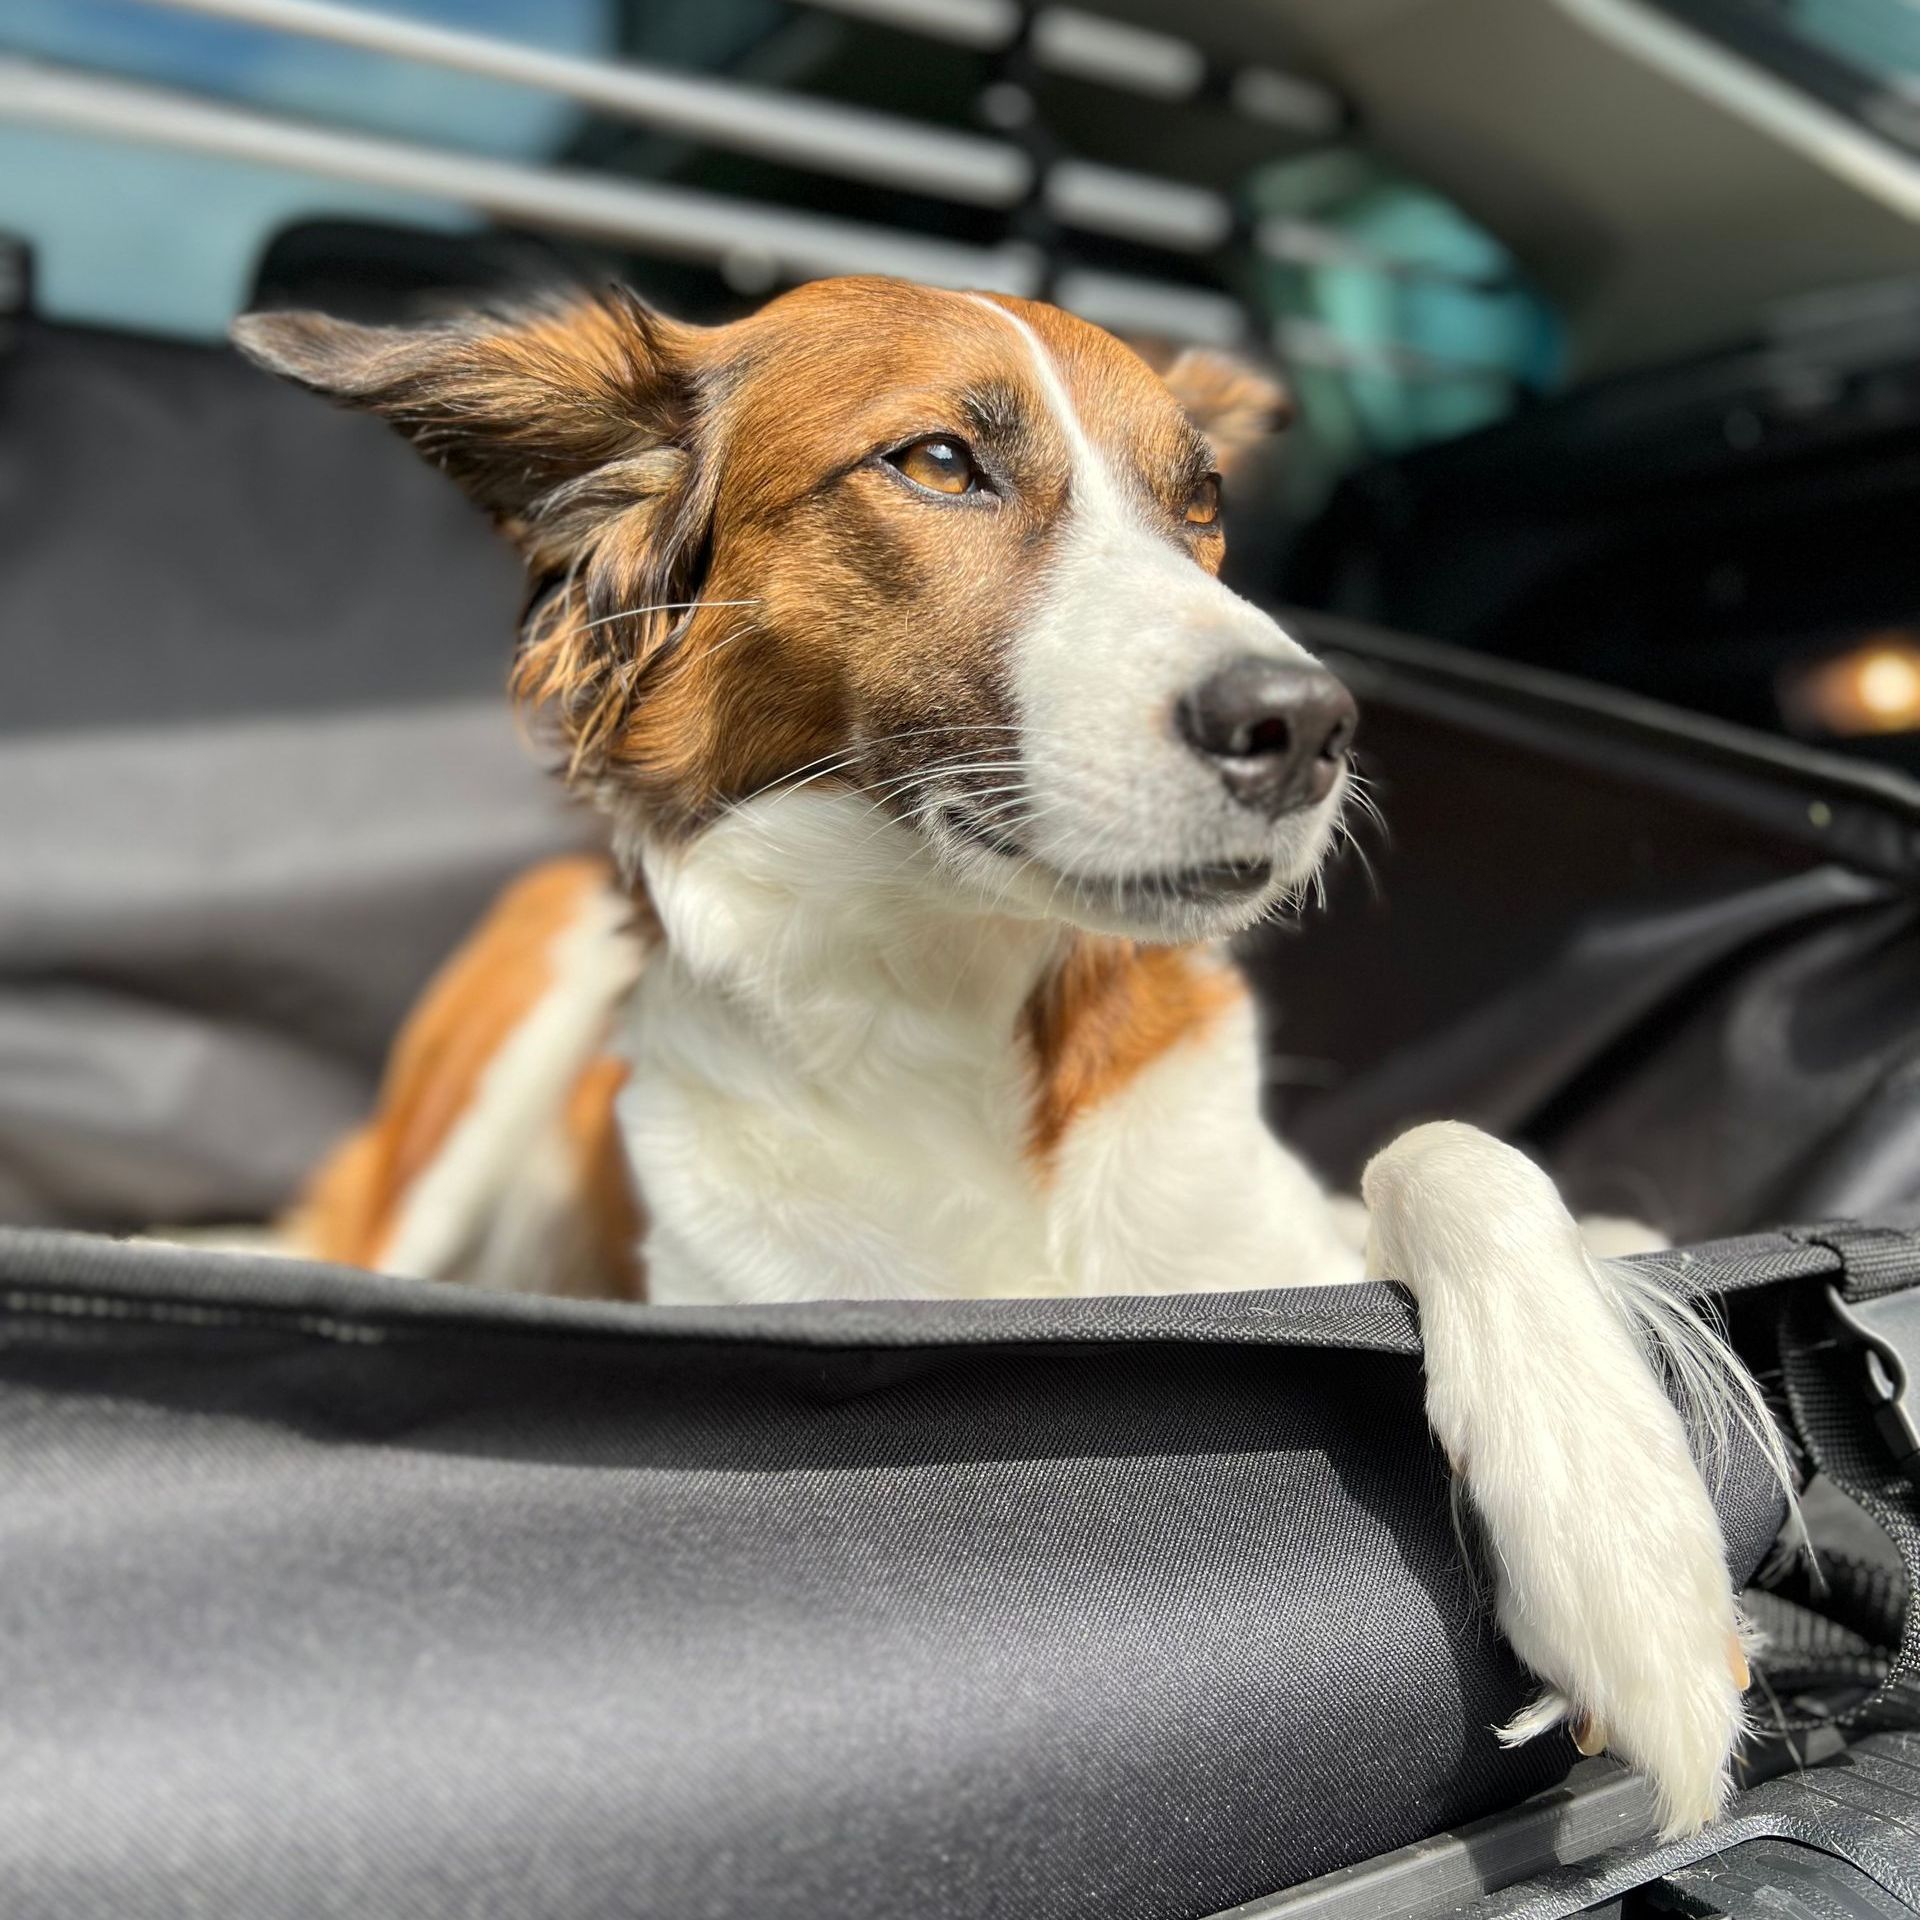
[(32, 1303), (24, 1304)]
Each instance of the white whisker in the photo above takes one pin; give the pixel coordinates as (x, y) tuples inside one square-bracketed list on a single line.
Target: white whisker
[(662, 606)]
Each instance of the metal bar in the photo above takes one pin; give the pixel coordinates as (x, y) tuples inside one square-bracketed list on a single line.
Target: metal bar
[(1303, 107), (1304, 243), (1312, 343), (1138, 206), (1082, 45), (880, 149), (753, 245), (1113, 53), (1157, 308), (984, 25)]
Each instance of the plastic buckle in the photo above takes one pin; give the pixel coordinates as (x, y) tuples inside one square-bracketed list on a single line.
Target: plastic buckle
[(1889, 1328)]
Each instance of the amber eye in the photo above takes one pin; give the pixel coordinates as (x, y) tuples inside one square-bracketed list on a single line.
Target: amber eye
[(1203, 503), (939, 463)]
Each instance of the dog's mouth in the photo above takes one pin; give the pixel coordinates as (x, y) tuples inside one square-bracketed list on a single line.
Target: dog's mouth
[(1212, 883)]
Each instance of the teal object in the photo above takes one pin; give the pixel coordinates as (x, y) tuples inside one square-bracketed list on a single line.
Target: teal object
[(1452, 344)]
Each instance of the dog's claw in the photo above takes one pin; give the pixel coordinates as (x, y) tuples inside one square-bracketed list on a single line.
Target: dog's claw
[(1737, 1663), (1589, 1735)]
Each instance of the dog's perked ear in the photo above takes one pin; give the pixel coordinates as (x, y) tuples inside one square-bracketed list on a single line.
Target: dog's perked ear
[(514, 407), (1235, 405), (578, 424)]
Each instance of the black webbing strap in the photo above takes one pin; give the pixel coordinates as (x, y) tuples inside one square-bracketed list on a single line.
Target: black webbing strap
[(1825, 1372), (1877, 1260)]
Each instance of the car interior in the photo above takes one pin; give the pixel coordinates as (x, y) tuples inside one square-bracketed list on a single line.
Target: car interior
[(1601, 320)]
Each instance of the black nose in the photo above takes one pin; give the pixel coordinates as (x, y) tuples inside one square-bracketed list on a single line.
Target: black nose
[(1277, 731)]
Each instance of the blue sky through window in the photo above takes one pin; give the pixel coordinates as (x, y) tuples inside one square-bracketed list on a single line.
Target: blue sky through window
[(167, 242)]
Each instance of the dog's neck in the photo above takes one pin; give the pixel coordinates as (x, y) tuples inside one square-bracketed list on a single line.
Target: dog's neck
[(822, 933), (827, 1073)]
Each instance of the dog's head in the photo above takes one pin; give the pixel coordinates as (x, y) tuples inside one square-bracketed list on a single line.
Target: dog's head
[(955, 551)]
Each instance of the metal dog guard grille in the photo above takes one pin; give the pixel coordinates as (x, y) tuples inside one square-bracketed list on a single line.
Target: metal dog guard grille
[(1046, 199)]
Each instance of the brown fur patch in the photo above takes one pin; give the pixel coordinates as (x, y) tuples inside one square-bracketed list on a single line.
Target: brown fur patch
[(469, 1010), (1104, 1015), (1237, 406), (611, 1217)]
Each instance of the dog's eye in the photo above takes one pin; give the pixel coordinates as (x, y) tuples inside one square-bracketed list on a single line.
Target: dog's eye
[(1203, 503), (939, 463)]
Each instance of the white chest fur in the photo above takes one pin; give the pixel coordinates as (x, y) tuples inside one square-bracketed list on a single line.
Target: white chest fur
[(827, 1094)]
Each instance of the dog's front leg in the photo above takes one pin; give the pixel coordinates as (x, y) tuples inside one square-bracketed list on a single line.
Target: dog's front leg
[(1604, 1546)]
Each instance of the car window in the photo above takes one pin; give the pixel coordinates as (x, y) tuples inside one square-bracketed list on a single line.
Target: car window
[(1860, 56), (141, 236)]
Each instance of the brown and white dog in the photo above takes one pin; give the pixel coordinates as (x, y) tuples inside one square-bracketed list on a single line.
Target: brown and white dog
[(885, 627)]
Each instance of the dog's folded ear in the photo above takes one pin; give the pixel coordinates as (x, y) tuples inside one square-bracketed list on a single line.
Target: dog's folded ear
[(1237, 406), (513, 406)]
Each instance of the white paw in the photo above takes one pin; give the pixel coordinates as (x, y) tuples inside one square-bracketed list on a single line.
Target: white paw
[(1674, 1715), (1609, 1569)]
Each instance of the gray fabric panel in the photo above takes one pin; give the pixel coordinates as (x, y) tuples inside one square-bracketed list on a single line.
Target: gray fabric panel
[(1675, 960), (330, 1596), (208, 935), (183, 538)]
